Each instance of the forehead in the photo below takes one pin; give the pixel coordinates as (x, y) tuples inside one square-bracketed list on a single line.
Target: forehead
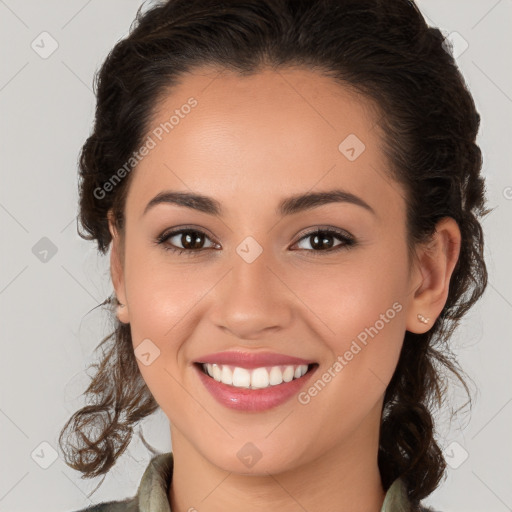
[(276, 132)]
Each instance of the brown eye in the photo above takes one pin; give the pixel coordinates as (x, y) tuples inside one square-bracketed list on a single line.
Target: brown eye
[(191, 239), (323, 240), (184, 240)]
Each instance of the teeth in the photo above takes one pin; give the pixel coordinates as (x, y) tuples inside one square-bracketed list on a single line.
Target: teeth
[(215, 370), (241, 378), (226, 375), (276, 376), (288, 373), (257, 378)]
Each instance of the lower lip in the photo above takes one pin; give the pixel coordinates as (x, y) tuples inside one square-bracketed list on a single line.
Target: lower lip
[(244, 399)]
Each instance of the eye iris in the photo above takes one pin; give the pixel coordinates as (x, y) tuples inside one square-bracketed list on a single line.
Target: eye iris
[(320, 241), (189, 241)]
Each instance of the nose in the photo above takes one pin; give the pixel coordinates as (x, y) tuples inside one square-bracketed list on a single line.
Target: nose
[(253, 299)]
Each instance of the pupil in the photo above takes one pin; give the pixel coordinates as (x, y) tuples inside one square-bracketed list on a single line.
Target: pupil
[(319, 240), (189, 242)]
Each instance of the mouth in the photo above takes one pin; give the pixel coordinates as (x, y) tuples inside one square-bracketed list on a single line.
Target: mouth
[(255, 378), (253, 381)]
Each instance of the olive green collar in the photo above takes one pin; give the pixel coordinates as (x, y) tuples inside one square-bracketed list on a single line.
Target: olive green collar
[(154, 486)]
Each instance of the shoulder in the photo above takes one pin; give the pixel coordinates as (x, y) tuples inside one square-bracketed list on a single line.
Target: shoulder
[(396, 500), (152, 491), (128, 505)]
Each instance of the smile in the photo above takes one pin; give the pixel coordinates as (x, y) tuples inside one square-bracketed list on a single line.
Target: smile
[(255, 389), (256, 378)]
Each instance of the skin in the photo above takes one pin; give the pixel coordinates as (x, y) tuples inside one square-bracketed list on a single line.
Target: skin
[(250, 142)]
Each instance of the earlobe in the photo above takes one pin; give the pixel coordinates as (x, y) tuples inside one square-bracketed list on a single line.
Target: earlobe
[(435, 264), (116, 271)]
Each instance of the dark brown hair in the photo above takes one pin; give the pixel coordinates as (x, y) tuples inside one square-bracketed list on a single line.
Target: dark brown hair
[(383, 49)]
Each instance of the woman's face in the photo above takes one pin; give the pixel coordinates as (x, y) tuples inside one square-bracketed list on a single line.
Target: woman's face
[(254, 278)]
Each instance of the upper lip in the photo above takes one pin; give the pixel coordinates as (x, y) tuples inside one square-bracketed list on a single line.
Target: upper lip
[(251, 359)]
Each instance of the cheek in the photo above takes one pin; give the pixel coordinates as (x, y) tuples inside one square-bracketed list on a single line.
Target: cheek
[(362, 355), (162, 300), (353, 295), (361, 317), (160, 291)]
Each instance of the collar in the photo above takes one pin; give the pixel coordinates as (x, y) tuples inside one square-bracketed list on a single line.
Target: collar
[(154, 485)]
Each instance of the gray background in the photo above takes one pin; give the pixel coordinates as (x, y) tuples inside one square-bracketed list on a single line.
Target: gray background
[(48, 331)]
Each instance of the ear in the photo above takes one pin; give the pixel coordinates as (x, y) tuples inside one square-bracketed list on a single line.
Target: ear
[(434, 266), (117, 270)]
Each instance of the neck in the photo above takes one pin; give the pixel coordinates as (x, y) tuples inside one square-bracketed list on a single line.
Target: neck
[(346, 479)]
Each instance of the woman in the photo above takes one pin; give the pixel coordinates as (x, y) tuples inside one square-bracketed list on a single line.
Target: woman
[(291, 193)]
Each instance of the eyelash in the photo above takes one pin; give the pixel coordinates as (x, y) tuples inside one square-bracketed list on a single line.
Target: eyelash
[(348, 241)]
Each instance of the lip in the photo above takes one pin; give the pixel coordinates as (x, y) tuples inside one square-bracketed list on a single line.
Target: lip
[(250, 360), (253, 400)]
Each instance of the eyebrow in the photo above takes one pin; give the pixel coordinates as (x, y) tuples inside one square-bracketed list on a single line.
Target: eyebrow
[(288, 206)]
